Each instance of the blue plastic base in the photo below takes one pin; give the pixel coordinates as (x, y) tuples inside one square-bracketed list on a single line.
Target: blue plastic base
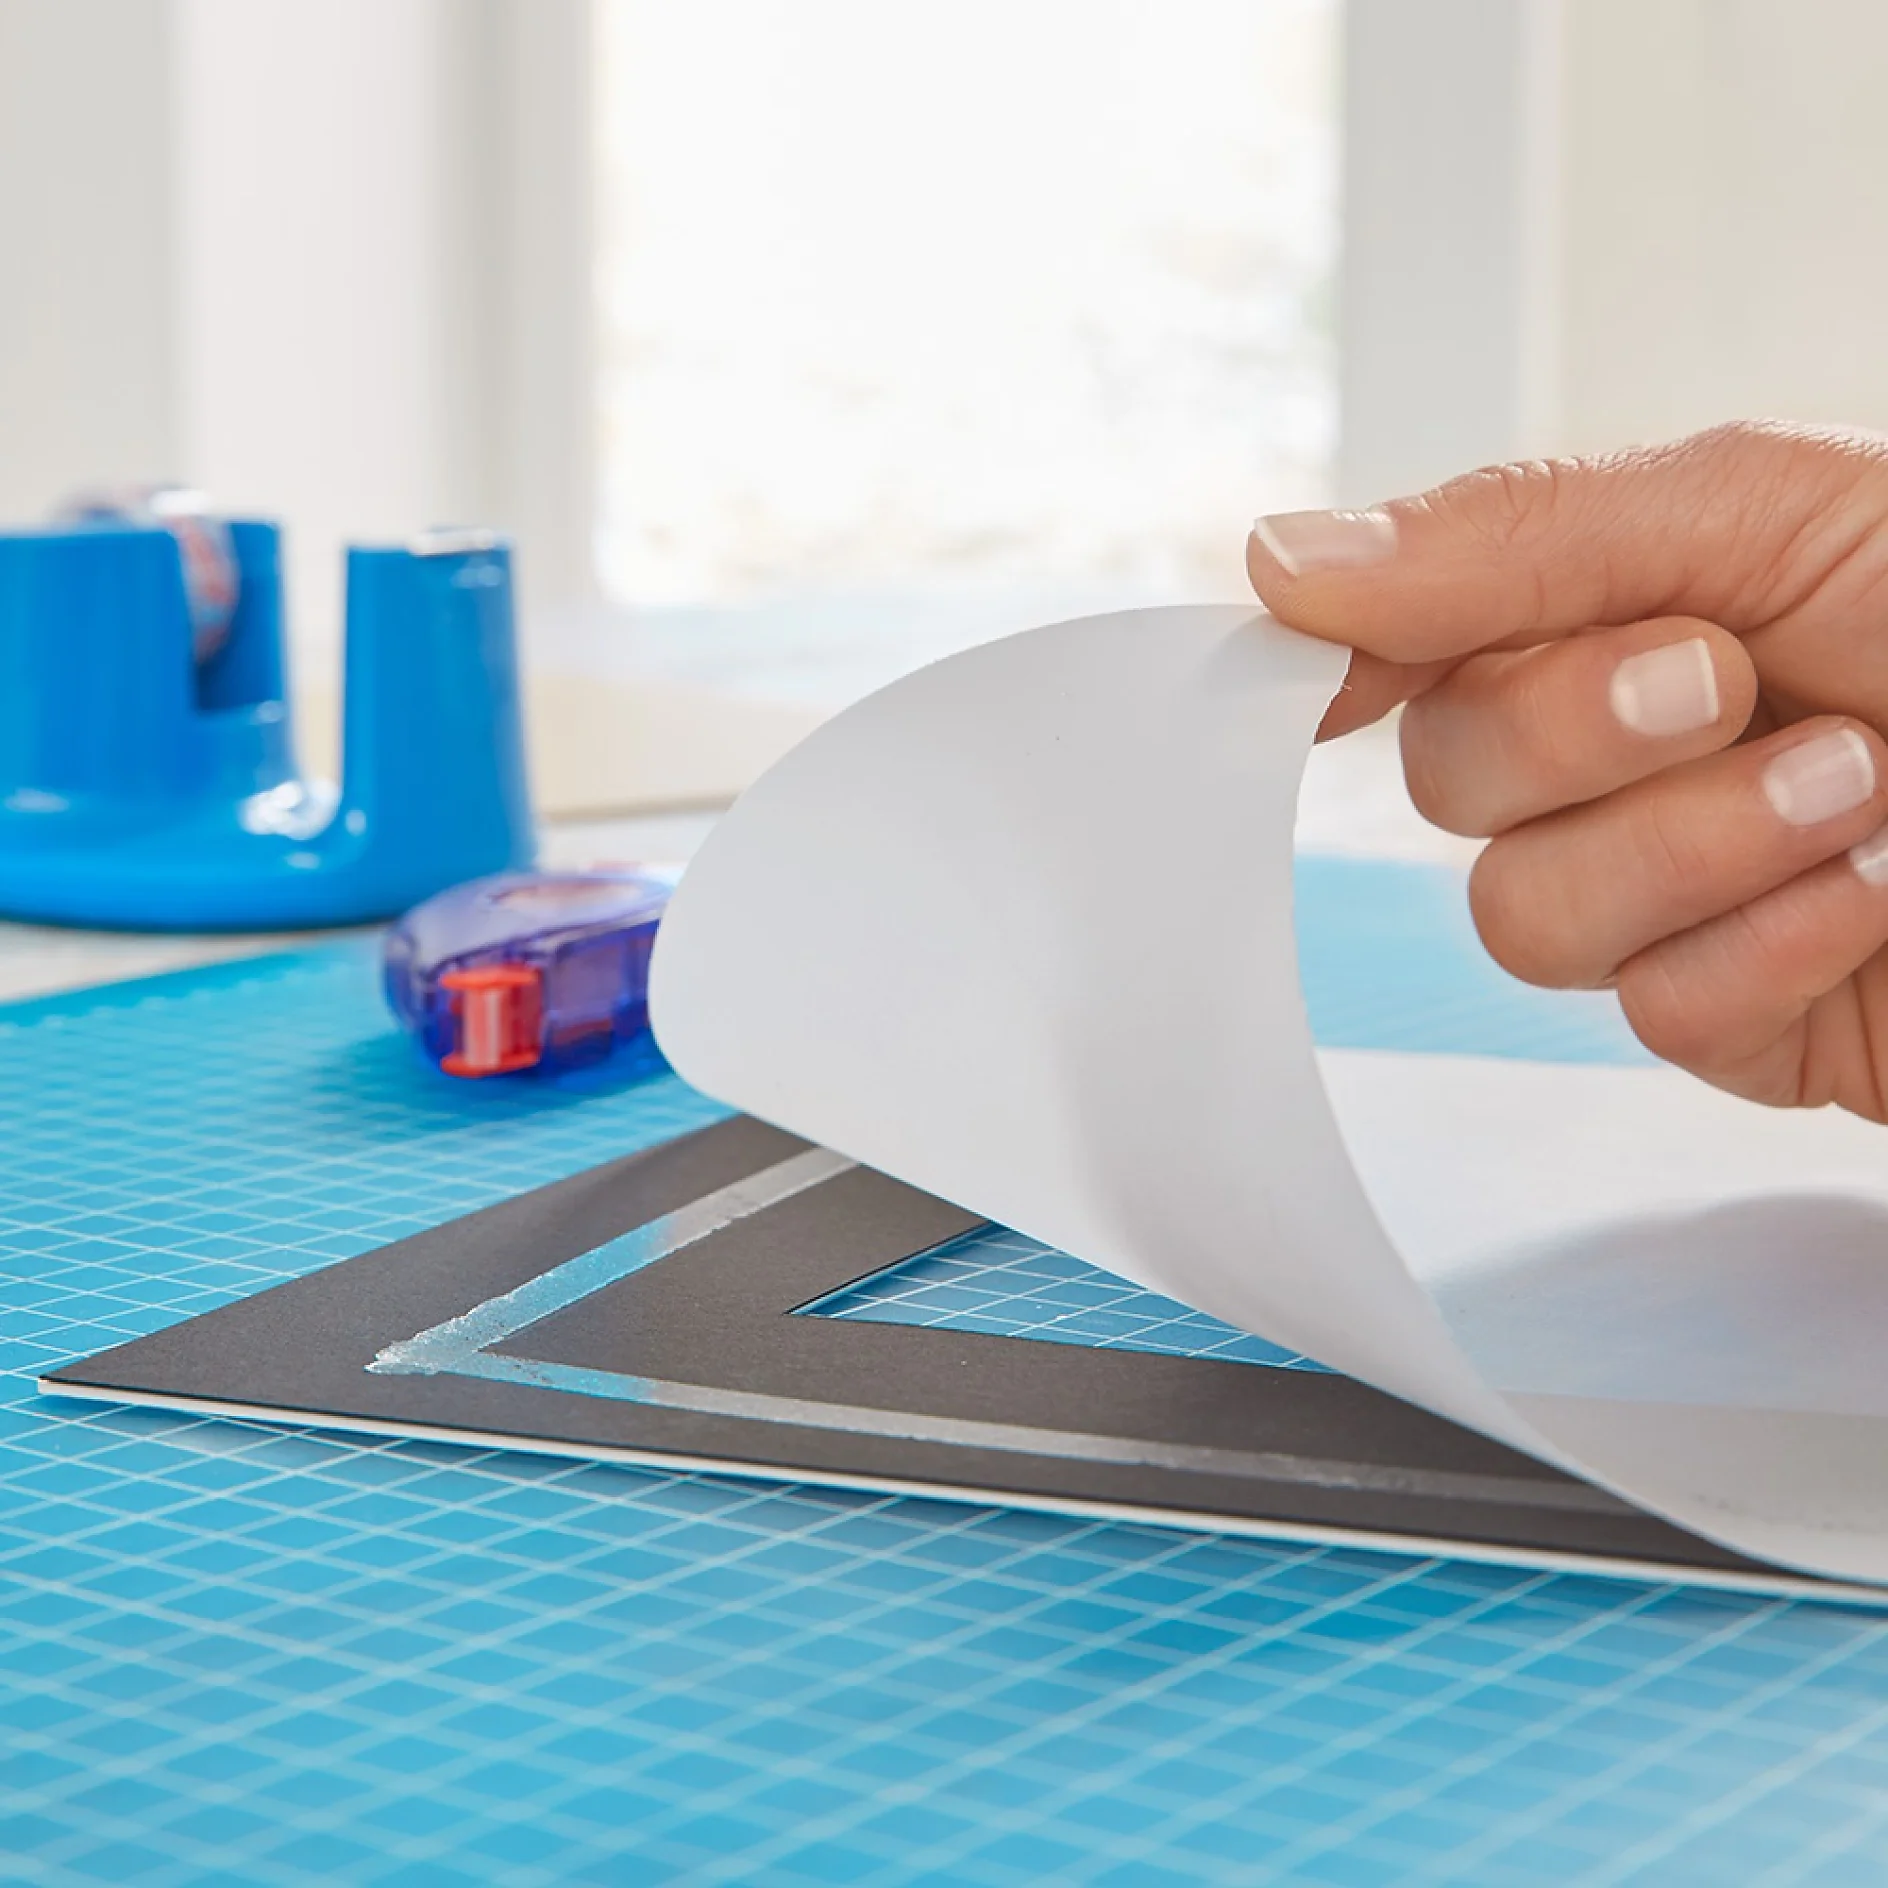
[(140, 789), (207, 873)]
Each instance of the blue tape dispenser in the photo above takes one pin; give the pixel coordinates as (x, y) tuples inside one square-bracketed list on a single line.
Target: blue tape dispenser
[(147, 776), (528, 970)]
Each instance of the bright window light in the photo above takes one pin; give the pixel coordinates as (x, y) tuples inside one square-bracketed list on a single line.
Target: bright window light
[(922, 321)]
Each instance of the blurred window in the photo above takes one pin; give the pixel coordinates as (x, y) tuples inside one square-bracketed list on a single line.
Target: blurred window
[(921, 322)]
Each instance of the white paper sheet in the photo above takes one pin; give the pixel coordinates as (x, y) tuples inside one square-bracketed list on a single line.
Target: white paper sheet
[(1018, 930)]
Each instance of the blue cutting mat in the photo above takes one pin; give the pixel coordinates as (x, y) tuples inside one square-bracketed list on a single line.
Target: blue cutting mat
[(1009, 1285), (232, 1654)]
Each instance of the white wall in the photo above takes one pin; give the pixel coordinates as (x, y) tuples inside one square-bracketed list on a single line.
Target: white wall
[(87, 249), (1447, 277), (314, 271), (325, 258), (1574, 226), (1724, 219)]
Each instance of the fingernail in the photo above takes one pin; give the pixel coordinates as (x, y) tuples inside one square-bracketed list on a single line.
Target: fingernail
[(1673, 690), (1870, 858), (1326, 540), (1815, 781)]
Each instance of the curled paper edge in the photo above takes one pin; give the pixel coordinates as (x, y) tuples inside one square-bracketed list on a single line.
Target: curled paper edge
[(1017, 930)]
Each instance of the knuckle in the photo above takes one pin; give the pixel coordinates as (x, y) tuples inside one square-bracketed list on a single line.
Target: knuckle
[(1497, 507), (1804, 498), (1749, 443), (1759, 463), (1447, 784), (1712, 1000), (1529, 936), (1502, 740), (1547, 730), (1743, 438), (1510, 515), (1662, 1008), (1669, 849), (1435, 788), (1717, 999)]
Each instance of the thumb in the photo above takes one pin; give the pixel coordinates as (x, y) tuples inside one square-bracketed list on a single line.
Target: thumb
[(1738, 525)]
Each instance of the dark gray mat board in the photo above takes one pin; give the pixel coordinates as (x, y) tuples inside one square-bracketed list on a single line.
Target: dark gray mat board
[(669, 1336)]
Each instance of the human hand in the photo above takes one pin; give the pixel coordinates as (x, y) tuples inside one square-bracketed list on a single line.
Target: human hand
[(1658, 682)]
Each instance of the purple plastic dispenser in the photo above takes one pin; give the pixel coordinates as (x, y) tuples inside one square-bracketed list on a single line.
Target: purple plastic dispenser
[(528, 970)]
